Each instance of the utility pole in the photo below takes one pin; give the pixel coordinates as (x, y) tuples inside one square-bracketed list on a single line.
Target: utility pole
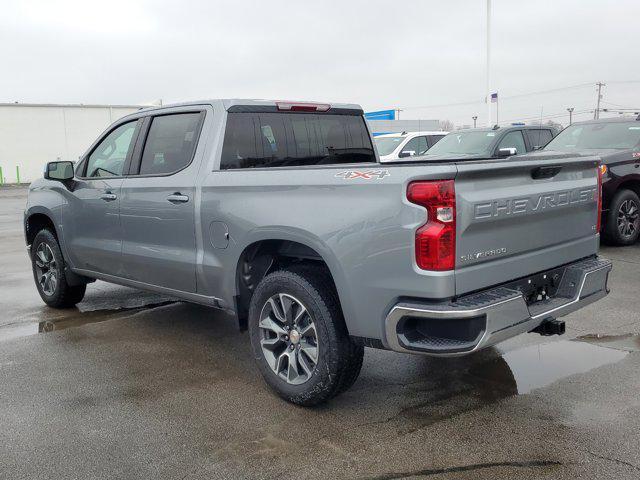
[(596, 114), (488, 97), (397, 110), (475, 118), (570, 110)]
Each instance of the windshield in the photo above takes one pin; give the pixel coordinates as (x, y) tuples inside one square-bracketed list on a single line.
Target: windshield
[(386, 145), (597, 136), (464, 143)]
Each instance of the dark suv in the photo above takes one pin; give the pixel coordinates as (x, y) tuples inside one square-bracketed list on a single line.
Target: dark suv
[(482, 143), (617, 142)]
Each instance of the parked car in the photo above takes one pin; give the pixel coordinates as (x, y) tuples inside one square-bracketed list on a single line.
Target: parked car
[(496, 142), (281, 214), (617, 142), (392, 146)]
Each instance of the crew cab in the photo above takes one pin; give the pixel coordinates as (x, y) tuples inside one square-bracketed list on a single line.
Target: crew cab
[(485, 143), (281, 214), (617, 142), (392, 146)]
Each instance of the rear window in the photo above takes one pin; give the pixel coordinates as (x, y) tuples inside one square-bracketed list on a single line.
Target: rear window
[(616, 135), (259, 140)]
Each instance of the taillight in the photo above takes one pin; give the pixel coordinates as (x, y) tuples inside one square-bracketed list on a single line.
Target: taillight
[(601, 171), (436, 239), (303, 107)]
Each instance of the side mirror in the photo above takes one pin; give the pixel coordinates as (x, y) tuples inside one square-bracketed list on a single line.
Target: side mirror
[(537, 147), (406, 153), (61, 171), (507, 152)]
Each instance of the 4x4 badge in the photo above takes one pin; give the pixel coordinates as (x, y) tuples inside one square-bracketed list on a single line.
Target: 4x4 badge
[(365, 175)]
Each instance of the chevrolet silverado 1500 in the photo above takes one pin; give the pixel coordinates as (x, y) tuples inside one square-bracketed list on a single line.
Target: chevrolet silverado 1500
[(281, 214)]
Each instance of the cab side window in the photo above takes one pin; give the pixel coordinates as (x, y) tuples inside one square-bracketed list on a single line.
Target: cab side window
[(539, 138), (417, 145), (108, 158), (171, 143), (433, 139), (513, 140)]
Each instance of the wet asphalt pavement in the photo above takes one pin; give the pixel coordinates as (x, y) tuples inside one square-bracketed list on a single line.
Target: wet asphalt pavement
[(137, 385)]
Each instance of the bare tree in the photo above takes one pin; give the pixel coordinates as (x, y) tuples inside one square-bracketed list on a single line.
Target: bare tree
[(557, 125), (447, 125)]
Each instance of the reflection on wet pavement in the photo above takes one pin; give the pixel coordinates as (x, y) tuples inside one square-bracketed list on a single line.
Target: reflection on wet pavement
[(77, 317), (447, 387), (537, 366), (629, 342)]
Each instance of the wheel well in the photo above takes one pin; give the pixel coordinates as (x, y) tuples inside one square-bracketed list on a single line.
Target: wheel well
[(263, 257), (632, 185), (37, 222)]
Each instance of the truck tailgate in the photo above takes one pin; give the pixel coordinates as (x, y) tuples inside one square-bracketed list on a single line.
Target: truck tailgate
[(518, 217)]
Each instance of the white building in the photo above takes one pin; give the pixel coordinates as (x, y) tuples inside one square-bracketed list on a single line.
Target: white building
[(33, 134)]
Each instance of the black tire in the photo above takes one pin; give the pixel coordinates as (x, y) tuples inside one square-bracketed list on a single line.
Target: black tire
[(622, 222), (62, 295), (339, 359)]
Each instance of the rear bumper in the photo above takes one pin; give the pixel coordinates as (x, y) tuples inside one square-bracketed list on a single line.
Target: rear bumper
[(491, 316)]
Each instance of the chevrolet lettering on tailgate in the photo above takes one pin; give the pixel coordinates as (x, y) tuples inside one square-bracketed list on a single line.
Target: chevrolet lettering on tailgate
[(534, 203)]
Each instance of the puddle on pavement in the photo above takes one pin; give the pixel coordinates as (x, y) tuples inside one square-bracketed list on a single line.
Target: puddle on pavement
[(540, 365), (468, 383), (74, 318)]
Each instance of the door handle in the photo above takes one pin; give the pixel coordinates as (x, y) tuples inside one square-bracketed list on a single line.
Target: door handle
[(177, 198), (108, 196), (545, 172)]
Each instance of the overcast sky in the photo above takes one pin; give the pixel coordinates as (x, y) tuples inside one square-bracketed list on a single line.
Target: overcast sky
[(380, 54)]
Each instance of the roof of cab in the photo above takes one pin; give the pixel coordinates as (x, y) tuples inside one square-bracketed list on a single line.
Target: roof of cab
[(249, 102), (414, 134), (627, 119), (506, 128)]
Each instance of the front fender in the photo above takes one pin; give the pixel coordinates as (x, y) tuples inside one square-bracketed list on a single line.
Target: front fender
[(47, 200)]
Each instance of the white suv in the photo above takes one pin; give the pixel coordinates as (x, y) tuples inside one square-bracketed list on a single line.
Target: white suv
[(392, 146)]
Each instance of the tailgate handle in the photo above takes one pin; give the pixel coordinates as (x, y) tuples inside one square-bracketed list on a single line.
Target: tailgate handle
[(544, 172)]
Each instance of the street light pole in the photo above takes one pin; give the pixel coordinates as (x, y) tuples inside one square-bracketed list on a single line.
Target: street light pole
[(475, 118), (488, 96), (570, 110), (596, 114)]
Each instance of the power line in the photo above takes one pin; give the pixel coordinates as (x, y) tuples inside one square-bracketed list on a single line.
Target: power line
[(518, 95), (551, 90), (545, 117)]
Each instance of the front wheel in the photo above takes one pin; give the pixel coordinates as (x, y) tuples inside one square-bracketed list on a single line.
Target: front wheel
[(49, 272), (622, 225), (299, 338)]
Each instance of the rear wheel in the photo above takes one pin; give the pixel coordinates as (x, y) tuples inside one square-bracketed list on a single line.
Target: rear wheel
[(49, 272), (299, 338), (623, 219)]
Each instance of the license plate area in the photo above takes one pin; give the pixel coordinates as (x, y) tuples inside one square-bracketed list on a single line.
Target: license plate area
[(539, 286)]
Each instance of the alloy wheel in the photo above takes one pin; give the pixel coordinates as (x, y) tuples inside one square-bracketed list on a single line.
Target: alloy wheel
[(628, 218), (288, 338), (46, 269)]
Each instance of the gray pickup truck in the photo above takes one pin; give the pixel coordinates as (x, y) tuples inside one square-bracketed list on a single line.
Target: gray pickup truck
[(280, 214)]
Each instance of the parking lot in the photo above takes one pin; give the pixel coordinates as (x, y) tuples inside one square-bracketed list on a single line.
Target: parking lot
[(137, 385)]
